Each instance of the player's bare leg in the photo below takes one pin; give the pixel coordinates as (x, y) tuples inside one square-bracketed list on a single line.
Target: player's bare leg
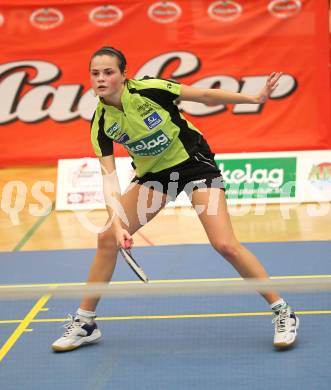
[(104, 262), (212, 209), (140, 205)]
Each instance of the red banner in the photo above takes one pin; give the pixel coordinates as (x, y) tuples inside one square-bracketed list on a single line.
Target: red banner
[(46, 100)]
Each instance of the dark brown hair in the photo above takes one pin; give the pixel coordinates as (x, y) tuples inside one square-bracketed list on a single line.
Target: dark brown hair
[(111, 51)]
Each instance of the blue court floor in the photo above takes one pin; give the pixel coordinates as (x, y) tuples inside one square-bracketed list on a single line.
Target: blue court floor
[(167, 343)]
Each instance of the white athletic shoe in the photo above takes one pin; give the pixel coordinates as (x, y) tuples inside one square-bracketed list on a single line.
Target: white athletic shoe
[(286, 326), (76, 334)]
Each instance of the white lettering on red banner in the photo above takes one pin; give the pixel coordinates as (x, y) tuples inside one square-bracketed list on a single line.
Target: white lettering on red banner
[(43, 100)]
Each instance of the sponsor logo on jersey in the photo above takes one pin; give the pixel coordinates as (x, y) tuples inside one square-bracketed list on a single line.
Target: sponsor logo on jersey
[(46, 18), (123, 138), (113, 130), (152, 145), (144, 109), (153, 120)]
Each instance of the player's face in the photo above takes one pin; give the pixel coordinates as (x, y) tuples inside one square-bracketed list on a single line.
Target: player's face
[(106, 77)]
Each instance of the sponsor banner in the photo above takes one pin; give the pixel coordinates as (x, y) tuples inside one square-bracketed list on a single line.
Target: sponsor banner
[(259, 178), (46, 100), (79, 183), (314, 176), (250, 178)]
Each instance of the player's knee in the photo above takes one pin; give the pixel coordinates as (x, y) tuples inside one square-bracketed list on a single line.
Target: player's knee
[(228, 249), (107, 241)]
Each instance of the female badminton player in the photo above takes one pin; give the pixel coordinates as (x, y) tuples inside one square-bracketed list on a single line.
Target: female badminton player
[(169, 155)]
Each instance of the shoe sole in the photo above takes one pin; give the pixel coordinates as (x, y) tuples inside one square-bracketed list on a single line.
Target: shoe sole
[(283, 345), (91, 340)]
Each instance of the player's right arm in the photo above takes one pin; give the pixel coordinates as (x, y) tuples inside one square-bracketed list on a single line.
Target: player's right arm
[(112, 196), (219, 96)]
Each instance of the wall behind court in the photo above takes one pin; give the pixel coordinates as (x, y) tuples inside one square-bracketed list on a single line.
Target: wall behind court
[(46, 101)]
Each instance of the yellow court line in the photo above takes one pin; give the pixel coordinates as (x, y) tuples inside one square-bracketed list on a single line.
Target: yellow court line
[(209, 315), (172, 316), (159, 281), (23, 326)]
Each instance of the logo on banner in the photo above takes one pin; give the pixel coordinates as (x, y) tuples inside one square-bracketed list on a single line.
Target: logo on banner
[(153, 120), (83, 176), (259, 177), (150, 146), (75, 197), (225, 11), (320, 176), (89, 197), (46, 18), (36, 106), (284, 8), (106, 15), (164, 12)]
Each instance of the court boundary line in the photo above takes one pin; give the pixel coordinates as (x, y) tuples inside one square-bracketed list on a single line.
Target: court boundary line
[(33, 229), (30, 317), (160, 281), (23, 325), (169, 316)]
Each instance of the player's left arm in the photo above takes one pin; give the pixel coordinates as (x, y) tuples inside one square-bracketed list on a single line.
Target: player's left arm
[(212, 96)]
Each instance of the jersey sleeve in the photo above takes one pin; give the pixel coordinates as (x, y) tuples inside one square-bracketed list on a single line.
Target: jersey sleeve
[(102, 145), (166, 91)]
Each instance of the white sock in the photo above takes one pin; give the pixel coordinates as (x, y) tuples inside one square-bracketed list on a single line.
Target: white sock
[(85, 315), (276, 306)]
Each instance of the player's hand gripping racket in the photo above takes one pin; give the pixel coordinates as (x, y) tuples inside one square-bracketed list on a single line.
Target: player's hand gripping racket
[(127, 255)]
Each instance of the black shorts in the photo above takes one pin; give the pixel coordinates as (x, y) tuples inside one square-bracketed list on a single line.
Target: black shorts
[(199, 171)]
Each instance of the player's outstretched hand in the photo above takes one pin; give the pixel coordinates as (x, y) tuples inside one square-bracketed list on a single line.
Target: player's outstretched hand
[(271, 85)]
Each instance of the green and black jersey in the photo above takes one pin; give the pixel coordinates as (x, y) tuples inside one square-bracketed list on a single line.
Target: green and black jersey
[(150, 127)]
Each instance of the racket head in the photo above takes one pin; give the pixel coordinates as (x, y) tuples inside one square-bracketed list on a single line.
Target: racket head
[(127, 256)]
